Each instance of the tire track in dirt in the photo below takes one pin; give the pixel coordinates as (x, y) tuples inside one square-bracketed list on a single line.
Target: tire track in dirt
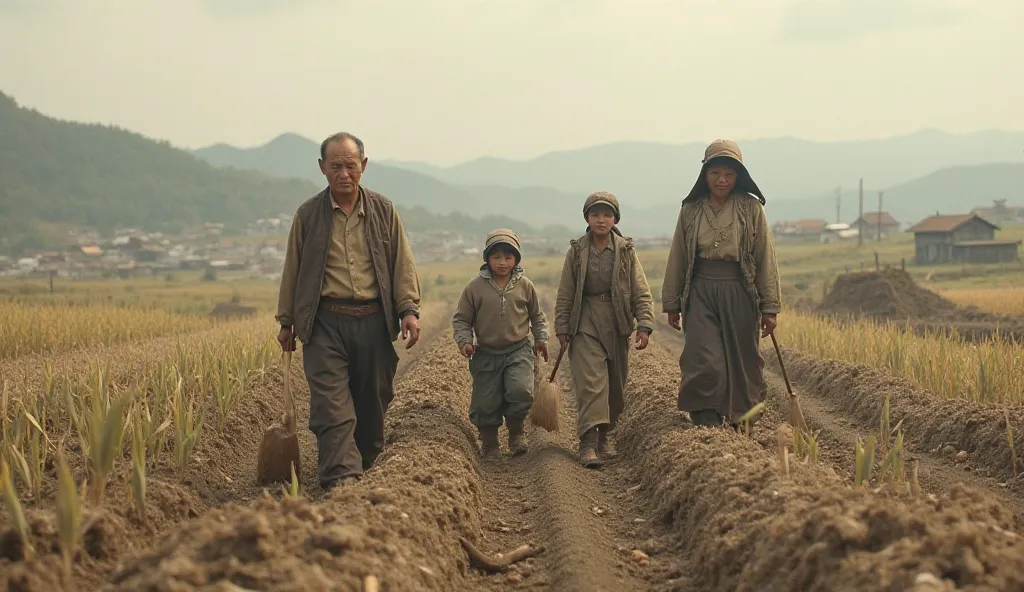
[(589, 520), (744, 526)]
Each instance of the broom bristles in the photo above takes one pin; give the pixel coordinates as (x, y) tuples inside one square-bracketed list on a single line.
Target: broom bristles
[(544, 412), (796, 414)]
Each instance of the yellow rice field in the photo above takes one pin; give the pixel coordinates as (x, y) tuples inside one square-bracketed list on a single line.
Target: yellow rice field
[(1008, 301), (989, 372), (50, 329)]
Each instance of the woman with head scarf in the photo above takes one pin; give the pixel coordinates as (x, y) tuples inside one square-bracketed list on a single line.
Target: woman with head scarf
[(603, 296), (722, 288)]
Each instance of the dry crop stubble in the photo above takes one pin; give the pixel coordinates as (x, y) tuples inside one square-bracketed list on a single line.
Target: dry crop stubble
[(399, 525), (991, 371), (931, 423), (1007, 301), (747, 527), (136, 424), (52, 329)]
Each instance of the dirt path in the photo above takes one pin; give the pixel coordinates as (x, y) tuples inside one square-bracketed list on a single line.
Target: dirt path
[(589, 520), (838, 433)]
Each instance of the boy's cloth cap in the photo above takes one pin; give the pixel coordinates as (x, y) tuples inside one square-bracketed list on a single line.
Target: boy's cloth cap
[(502, 236)]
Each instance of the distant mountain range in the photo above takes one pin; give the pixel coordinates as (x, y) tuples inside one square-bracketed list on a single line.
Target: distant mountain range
[(57, 174), (648, 173), (919, 173)]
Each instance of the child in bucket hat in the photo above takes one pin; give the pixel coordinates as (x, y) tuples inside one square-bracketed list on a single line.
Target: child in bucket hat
[(497, 314)]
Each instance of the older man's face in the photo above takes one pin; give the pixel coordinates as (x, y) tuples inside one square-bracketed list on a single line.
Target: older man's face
[(343, 167)]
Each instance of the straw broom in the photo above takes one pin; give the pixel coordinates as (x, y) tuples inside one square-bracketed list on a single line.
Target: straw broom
[(796, 414), (544, 412)]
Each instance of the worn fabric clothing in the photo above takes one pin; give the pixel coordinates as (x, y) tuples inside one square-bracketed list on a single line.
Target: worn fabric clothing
[(502, 385), (309, 247), (757, 256), (499, 318), (349, 270), (632, 303), (722, 367), (598, 354), (350, 364), (717, 236), (599, 374)]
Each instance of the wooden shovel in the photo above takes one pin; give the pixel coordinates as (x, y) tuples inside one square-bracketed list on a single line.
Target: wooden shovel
[(279, 450)]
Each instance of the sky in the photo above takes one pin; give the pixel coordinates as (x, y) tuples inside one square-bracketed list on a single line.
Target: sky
[(446, 81)]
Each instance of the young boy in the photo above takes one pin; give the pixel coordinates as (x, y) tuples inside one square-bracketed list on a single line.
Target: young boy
[(603, 297), (501, 307)]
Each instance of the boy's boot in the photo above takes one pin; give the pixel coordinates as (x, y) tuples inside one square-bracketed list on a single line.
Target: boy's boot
[(604, 445), (489, 442), (588, 449), (516, 437)]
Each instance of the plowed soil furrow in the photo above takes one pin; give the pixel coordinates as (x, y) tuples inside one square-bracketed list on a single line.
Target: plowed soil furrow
[(222, 471), (843, 403), (400, 524), (745, 525), (589, 520), (838, 436)]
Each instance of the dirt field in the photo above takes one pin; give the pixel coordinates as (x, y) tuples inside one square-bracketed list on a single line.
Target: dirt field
[(893, 295), (681, 509)]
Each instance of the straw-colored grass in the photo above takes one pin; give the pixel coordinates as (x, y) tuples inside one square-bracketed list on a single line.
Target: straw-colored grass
[(1009, 301), (990, 372), (50, 329)]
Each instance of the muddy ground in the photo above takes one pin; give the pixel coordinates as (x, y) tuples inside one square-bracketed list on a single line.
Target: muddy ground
[(892, 295), (681, 508)]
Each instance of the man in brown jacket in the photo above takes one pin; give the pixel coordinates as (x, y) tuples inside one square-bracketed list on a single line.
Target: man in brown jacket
[(348, 288)]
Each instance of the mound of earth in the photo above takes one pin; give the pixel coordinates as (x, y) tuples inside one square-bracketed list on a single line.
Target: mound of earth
[(886, 294)]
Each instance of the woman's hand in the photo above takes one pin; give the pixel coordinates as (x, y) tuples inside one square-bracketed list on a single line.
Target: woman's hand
[(768, 324)]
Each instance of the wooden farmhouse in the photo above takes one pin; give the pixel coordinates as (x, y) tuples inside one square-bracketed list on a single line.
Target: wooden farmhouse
[(874, 225), (962, 238)]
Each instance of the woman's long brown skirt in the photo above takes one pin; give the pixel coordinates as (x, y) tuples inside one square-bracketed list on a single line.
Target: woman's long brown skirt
[(723, 370)]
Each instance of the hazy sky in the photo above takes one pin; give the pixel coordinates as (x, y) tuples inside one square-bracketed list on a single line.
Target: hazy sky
[(449, 80)]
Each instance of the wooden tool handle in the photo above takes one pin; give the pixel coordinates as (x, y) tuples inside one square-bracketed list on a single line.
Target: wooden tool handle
[(289, 401), (558, 361), (785, 376)]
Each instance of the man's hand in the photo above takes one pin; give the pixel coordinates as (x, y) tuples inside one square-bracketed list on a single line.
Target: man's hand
[(768, 324), (642, 337), (410, 330), (541, 350), (468, 350), (674, 319), (563, 341), (286, 337)]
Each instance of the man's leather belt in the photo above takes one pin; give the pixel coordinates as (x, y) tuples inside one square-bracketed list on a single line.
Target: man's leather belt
[(352, 309), (603, 296)]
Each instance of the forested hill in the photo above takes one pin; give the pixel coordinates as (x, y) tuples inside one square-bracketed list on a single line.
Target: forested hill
[(57, 173), (105, 177)]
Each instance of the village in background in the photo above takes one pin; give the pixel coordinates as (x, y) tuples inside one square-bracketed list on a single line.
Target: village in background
[(129, 253)]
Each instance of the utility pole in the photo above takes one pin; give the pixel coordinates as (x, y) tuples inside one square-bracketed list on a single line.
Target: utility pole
[(860, 220), (879, 221), (839, 201)]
